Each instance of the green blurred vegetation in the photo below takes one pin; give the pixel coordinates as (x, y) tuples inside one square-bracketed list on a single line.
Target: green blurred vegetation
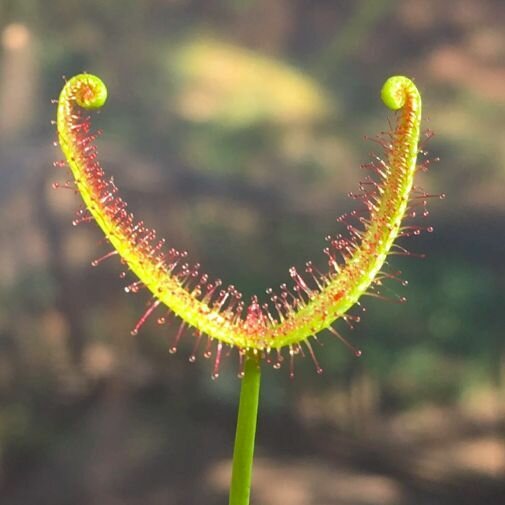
[(236, 129)]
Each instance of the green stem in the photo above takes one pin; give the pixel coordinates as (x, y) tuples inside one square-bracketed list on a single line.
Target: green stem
[(243, 451)]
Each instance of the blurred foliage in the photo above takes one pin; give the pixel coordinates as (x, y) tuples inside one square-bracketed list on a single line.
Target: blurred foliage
[(236, 129), (234, 88)]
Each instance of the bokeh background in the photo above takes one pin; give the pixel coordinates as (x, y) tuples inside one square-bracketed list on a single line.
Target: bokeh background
[(236, 128)]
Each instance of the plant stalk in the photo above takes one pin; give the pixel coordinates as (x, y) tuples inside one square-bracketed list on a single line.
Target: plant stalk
[(243, 451)]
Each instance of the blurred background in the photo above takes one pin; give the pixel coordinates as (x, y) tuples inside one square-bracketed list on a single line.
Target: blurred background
[(236, 129)]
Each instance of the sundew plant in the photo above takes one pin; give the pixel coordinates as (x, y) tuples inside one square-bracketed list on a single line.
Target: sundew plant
[(282, 327)]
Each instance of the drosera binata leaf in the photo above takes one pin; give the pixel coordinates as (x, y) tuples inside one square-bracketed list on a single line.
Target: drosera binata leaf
[(217, 314)]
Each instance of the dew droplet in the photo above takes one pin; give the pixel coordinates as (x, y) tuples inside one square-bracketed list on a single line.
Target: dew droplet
[(192, 358), (134, 332), (172, 349)]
